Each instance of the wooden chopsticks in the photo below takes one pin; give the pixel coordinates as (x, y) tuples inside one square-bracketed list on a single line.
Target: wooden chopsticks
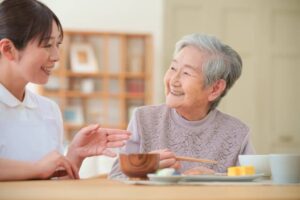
[(183, 158)]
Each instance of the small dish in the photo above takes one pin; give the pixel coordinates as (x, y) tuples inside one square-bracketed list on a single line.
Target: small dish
[(222, 178), (169, 179)]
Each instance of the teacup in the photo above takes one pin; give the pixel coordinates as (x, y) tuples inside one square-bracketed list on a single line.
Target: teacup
[(139, 165), (285, 168)]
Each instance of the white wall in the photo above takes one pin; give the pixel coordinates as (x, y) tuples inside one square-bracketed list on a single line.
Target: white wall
[(142, 16)]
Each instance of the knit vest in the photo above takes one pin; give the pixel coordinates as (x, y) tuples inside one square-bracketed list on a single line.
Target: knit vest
[(217, 137)]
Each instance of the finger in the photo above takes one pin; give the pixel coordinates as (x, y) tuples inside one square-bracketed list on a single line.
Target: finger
[(74, 169), (90, 129), (65, 163), (117, 137), (177, 165), (115, 144), (59, 173), (109, 153), (110, 131), (167, 163), (167, 155), (159, 151)]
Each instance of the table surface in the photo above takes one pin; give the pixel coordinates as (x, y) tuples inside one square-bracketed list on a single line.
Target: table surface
[(101, 188)]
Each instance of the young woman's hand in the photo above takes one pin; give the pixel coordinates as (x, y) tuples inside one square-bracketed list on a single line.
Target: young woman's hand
[(167, 159), (94, 140), (56, 165)]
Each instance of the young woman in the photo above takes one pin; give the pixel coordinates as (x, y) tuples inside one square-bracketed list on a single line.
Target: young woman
[(31, 129)]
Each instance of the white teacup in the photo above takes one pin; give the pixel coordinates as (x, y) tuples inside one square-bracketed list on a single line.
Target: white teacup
[(260, 162), (285, 168)]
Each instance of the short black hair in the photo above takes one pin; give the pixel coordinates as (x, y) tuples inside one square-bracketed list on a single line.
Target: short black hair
[(24, 20)]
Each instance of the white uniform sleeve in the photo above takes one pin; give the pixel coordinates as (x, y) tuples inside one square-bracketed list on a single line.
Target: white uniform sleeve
[(60, 126)]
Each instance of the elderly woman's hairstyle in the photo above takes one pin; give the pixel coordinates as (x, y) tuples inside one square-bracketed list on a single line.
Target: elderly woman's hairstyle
[(24, 20), (221, 62)]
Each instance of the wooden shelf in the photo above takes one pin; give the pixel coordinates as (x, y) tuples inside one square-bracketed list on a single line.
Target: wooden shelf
[(109, 94)]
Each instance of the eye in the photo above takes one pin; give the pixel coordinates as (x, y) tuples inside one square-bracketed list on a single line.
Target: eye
[(47, 45), (187, 73), (58, 44)]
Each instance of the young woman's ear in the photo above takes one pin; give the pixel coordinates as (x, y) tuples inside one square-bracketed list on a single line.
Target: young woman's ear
[(217, 89), (7, 49)]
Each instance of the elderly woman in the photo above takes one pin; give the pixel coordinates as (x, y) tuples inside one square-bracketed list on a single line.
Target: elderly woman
[(188, 124)]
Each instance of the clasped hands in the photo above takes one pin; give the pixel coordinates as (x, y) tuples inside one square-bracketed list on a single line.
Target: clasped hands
[(89, 141)]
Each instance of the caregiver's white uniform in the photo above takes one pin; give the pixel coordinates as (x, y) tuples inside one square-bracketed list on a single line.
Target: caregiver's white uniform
[(30, 129)]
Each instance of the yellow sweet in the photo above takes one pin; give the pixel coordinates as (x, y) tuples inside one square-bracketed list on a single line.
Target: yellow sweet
[(240, 171)]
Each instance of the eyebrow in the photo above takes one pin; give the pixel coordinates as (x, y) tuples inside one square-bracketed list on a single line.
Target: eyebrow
[(51, 38), (187, 66)]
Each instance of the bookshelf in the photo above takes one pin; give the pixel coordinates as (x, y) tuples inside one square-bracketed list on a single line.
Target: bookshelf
[(100, 78)]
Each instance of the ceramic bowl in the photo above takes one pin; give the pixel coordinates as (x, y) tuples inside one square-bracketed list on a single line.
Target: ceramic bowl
[(139, 165), (260, 162)]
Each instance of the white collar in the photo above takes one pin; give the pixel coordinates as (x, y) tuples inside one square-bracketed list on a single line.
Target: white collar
[(10, 100)]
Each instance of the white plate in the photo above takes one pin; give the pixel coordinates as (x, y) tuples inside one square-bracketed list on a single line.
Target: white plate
[(169, 179), (220, 177)]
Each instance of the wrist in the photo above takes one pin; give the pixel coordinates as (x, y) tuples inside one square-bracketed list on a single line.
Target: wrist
[(74, 157), (37, 171)]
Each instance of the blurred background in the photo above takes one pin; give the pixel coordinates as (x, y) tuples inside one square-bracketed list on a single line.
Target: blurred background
[(266, 33)]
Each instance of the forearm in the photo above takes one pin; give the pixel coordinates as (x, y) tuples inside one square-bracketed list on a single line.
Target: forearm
[(17, 170)]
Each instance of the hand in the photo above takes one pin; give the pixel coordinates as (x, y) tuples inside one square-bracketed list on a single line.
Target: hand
[(93, 140), (167, 159), (56, 165)]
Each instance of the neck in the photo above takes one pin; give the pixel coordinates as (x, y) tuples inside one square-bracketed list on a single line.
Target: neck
[(193, 114), (12, 82)]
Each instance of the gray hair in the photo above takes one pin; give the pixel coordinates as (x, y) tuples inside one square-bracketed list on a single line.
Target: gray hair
[(221, 61)]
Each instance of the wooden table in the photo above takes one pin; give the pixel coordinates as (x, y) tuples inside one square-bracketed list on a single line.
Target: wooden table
[(113, 190)]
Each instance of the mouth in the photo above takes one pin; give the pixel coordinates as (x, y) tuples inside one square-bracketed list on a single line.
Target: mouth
[(176, 93), (47, 70)]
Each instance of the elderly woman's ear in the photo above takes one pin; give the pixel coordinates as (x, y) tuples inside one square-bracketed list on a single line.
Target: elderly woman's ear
[(217, 88)]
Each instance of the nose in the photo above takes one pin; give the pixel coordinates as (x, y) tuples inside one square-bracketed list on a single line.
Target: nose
[(54, 56), (175, 80)]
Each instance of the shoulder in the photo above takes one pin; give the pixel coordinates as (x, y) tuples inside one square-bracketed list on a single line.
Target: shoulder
[(151, 114), (42, 102), (152, 110), (231, 123)]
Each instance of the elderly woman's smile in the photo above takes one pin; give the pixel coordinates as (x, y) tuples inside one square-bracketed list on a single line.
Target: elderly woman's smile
[(177, 93)]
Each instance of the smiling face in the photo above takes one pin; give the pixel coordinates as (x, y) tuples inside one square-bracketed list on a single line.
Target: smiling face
[(184, 85), (35, 62)]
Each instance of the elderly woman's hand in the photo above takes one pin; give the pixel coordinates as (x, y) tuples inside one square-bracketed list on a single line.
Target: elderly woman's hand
[(94, 140), (167, 159)]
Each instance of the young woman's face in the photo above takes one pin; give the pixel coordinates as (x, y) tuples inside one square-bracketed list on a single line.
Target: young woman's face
[(36, 61), (184, 87)]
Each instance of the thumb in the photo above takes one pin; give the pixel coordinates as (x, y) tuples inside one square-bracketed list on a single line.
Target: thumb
[(89, 129)]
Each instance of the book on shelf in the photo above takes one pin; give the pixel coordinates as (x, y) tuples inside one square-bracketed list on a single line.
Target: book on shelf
[(114, 114), (95, 111), (114, 56), (135, 86)]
